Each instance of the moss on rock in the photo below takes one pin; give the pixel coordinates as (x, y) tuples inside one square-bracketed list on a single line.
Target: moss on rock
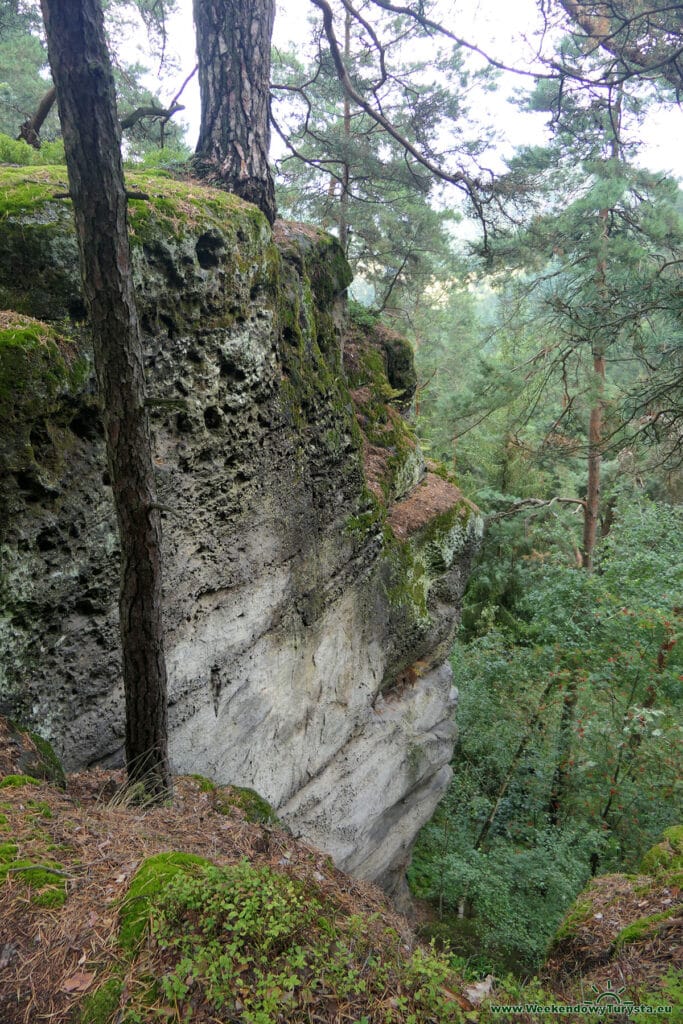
[(577, 915), (31, 756), (666, 856), (205, 785), (256, 809)]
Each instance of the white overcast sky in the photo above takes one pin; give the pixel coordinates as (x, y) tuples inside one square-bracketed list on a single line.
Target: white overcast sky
[(497, 26)]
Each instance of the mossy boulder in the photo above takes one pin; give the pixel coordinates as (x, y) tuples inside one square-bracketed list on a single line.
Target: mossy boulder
[(254, 807), (38, 365), (666, 857)]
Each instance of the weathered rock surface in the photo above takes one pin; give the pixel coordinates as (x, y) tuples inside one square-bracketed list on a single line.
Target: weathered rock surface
[(313, 567)]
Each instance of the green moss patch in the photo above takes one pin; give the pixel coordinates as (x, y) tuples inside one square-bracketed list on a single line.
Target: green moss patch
[(50, 898), (99, 1007), (205, 785), (577, 916), (29, 190), (255, 808), (44, 880), (147, 884), (665, 856), (37, 368), (10, 781), (32, 363), (8, 852), (644, 927)]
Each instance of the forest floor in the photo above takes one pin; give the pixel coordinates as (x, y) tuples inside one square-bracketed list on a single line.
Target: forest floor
[(68, 856)]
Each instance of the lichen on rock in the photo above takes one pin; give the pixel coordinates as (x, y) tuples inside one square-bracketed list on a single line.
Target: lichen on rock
[(313, 563)]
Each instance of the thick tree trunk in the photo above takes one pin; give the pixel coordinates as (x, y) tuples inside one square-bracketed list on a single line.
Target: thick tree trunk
[(233, 55), (87, 108)]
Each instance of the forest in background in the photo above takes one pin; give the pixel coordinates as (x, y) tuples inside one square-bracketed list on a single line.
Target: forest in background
[(549, 354)]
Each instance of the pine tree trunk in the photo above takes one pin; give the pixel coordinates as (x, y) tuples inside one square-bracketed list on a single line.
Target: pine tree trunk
[(560, 782), (87, 108), (233, 55), (591, 515)]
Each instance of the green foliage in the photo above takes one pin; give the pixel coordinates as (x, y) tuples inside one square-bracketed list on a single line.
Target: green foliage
[(168, 158), (8, 781), (23, 57), (254, 944), (670, 994), (13, 151), (24, 79), (342, 171), (571, 749), (148, 881), (362, 316), (255, 808), (666, 856), (100, 1006)]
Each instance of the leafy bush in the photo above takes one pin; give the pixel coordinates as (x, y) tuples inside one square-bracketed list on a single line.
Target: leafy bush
[(256, 945), (571, 745), (13, 151)]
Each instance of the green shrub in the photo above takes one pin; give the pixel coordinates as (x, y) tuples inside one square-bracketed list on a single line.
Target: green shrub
[(13, 151), (260, 947)]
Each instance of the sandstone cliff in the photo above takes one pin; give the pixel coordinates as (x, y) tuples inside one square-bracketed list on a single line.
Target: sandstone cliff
[(313, 565)]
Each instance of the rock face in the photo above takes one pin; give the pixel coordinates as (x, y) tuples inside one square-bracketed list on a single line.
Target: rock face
[(313, 565)]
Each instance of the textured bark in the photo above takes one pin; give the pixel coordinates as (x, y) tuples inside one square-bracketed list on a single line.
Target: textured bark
[(561, 774), (87, 110), (591, 515), (233, 55)]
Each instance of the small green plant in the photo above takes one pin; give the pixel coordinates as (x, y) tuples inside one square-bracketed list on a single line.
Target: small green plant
[(205, 785), (670, 994), (362, 316)]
